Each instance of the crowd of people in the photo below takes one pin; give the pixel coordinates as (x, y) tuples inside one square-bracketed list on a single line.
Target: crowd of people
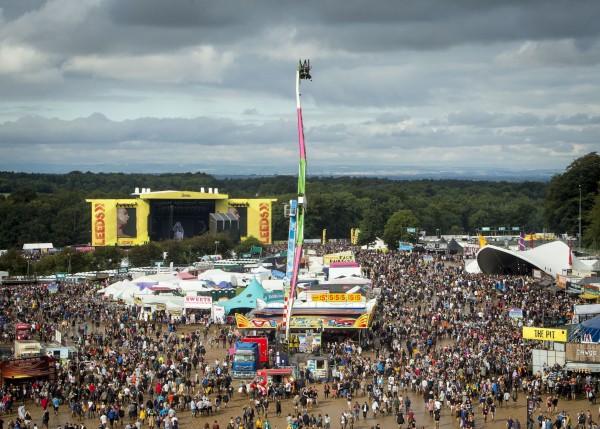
[(440, 335)]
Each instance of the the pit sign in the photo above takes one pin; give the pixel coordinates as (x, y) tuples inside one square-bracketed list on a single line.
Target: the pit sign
[(545, 334)]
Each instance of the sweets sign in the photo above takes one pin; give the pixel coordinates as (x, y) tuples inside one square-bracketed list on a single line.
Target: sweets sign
[(203, 302)]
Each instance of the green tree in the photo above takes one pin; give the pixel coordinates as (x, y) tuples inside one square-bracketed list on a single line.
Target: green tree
[(177, 252), (456, 230), (207, 244), (13, 262), (23, 195), (142, 256), (225, 246), (52, 207), (372, 224), (246, 245), (395, 228), (48, 265), (478, 219), (336, 212), (591, 237), (109, 257), (562, 200)]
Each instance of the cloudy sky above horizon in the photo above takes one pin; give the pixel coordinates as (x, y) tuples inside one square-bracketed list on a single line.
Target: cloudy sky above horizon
[(211, 84)]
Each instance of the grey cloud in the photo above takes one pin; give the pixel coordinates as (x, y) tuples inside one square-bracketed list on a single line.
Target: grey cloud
[(225, 142), (487, 119), (392, 118), (352, 26), (12, 9), (495, 120), (580, 119), (98, 129), (419, 81)]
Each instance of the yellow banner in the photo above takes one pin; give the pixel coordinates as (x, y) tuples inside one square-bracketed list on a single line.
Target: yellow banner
[(336, 297), (254, 217), (119, 222), (545, 334), (338, 257), (104, 223)]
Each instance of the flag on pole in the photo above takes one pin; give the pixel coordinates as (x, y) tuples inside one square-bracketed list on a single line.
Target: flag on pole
[(482, 241), (531, 240), (521, 241), (570, 254)]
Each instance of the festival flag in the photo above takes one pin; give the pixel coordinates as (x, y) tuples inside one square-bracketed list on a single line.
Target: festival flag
[(521, 241), (531, 240), (482, 241), (570, 254)]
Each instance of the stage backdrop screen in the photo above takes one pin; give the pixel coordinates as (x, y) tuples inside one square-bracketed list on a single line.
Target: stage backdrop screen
[(192, 215)]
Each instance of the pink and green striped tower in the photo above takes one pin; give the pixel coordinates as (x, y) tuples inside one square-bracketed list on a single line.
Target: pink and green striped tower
[(303, 73)]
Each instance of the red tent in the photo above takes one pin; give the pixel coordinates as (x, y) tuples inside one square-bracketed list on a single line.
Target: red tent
[(186, 276)]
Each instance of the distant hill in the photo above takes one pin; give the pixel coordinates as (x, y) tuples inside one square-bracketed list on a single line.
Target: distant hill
[(248, 171)]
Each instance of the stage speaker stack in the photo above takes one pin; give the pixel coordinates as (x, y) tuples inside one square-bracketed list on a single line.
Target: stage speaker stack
[(225, 222)]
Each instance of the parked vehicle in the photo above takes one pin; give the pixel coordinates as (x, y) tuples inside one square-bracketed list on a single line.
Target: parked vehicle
[(273, 376), (263, 347), (23, 331), (246, 360)]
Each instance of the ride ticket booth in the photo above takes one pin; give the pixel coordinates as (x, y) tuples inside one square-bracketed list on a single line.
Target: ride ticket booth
[(275, 377), (319, 367)]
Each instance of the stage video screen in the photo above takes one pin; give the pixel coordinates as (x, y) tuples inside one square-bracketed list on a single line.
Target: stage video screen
[(176, 219), (126, 221)]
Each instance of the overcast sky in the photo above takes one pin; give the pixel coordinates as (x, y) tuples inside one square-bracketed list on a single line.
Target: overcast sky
[(117, 85)]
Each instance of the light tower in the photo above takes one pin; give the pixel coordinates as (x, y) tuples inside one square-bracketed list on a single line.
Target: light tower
[(297, 209)]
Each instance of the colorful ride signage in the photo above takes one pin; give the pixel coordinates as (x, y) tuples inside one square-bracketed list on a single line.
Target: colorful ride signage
[(545, 334), (336, 297)]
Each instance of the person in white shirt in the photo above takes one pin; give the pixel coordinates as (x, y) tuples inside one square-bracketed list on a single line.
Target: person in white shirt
[(375, 408), (103, 420)]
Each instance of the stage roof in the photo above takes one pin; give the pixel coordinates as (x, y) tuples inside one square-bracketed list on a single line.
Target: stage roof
[(551, 258), (179, 195)]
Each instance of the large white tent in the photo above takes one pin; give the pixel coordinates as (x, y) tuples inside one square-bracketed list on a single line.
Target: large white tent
[(552, 258), (349, 280), (195, 286), (155, 278)]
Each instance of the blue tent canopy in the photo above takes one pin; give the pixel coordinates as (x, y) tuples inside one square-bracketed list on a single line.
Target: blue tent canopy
[(277, 274), (590, 330), (246, 299)]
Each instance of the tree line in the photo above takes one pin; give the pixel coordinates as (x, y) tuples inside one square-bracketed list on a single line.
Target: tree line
[(52, 207)]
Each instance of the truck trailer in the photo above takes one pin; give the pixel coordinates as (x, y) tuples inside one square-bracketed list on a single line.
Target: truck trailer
[(263, 347), (246, 360)]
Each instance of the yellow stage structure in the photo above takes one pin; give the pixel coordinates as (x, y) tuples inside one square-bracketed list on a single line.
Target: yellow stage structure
[(162, 215)]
